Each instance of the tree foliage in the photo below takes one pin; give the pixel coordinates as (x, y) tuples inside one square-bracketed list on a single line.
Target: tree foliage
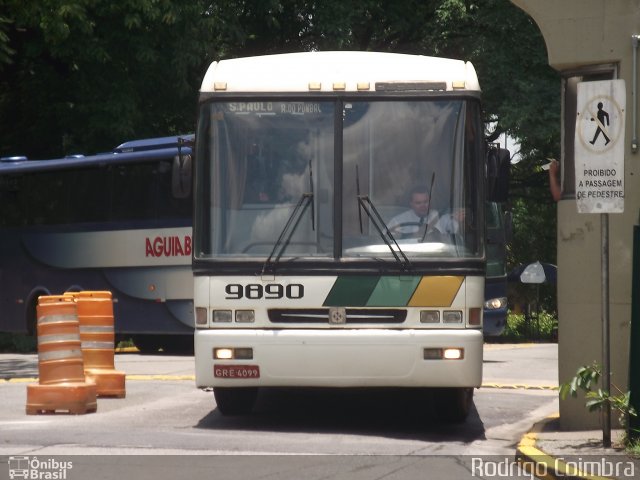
[(80, 76), (86, 75)]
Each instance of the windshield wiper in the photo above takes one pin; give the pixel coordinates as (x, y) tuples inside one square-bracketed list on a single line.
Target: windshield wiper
[(290, 227), (365, 203)]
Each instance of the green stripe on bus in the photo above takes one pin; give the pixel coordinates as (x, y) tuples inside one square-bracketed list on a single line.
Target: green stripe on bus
[(393, 291), (351, 291)]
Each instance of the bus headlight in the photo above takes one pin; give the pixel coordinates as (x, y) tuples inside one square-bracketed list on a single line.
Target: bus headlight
[(429, 316), (233, 353), (495, 303), (223, 353), (452, 316), (222, 316), (245, 316), (453, 353)]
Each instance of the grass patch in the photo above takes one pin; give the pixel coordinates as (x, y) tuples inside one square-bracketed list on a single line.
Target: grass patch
[(633, 448), (125, 343)]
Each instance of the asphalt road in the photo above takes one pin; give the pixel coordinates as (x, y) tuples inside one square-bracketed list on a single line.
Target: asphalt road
[(165, 425)]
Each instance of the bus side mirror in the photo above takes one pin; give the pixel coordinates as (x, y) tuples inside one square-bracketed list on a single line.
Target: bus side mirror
[(182, 171), (497, 181), (181, 174)]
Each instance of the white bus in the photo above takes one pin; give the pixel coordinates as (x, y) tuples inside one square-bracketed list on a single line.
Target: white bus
[(309, 270)]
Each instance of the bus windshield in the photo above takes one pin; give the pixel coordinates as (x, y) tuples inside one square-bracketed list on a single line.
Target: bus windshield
[(376, 176)]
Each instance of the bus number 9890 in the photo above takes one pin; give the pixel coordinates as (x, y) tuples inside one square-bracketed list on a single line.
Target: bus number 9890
[(270, 291)]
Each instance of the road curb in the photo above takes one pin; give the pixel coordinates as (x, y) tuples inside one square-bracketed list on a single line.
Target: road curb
[(519, 386), (541, 464)]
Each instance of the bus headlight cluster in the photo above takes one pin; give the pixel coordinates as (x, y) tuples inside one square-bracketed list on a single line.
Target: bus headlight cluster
[(223, 316), (443, 353), (227, 316), (452, 317), (495, 303), (233, 353), (433, 316)]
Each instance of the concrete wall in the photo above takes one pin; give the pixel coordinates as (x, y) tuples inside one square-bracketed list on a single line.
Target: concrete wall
[(581, 33)]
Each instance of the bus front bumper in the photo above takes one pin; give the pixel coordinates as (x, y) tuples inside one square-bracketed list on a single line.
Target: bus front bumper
[(338, 358)]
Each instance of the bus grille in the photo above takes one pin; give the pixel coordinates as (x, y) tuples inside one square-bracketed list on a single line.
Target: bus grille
[(321, 315)]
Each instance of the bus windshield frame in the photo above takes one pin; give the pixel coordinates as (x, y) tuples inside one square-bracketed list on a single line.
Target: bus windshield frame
[(259, 156)]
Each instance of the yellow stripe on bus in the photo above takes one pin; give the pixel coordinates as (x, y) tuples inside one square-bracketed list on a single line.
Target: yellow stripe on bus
[(436, 291)]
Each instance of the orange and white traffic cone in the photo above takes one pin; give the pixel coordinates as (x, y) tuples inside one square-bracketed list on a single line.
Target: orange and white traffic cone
[(95, 314), (62, 385)]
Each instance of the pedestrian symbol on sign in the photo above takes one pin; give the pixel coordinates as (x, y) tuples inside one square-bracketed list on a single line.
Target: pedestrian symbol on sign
[(598, 123), (602, 119)]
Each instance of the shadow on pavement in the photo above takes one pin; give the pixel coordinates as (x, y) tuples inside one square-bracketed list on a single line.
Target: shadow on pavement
[(396, 413)]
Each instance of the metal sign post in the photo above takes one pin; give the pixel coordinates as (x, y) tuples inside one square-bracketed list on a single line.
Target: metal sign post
[(599, 154), (606, 347)]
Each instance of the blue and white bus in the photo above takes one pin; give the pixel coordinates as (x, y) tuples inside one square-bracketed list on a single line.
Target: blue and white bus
[(307, 271), (118, 221)]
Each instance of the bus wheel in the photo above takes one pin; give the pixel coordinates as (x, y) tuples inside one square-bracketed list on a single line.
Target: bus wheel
[(454, 404), (235, 401)]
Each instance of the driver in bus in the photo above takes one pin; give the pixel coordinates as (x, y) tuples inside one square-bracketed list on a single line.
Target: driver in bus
[(413, 222)]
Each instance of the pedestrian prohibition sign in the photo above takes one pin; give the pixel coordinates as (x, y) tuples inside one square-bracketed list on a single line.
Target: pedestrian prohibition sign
[(599, 147)]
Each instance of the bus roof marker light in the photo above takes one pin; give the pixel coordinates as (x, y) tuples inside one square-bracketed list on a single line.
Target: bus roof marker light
[(458, 84), (363, 86), (339, 86), (315, 86), (220, 86)]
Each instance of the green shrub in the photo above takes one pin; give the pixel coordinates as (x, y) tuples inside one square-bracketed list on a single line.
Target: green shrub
[(539, 327)]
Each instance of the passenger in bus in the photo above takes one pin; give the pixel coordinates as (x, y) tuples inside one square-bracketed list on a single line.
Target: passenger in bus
[(420, 216)]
